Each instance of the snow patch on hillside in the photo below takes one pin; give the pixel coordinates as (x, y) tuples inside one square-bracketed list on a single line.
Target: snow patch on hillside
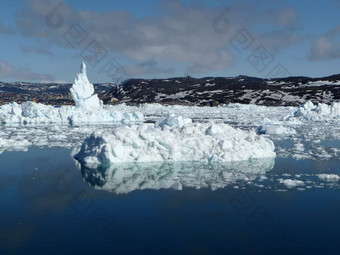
[(323, 83)]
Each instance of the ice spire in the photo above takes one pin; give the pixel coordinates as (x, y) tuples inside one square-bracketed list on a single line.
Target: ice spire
[(82, 92), (83, 68)]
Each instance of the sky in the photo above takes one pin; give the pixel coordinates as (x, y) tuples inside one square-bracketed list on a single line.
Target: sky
[(46, 40)]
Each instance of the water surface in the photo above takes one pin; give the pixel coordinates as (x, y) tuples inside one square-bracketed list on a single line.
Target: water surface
[(49, 205)]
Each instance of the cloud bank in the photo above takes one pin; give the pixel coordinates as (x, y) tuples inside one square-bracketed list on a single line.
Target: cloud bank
[(327, 46), (194, 35), (9, 71)]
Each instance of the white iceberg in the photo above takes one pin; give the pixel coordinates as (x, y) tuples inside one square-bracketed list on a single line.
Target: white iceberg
[(82, 92), (88, 109), (208, 142), (319, 112)]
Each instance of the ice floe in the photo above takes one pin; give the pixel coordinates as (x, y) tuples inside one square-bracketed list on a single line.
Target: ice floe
[(174, 139), (276, 130), (34, 113), (318, 112), (291, 183), (296, 137), (329, 177)]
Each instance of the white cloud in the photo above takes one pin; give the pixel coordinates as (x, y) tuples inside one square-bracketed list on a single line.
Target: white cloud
[(146, 67), (37, 50), (178, 32), (326, 46), (8, 71)]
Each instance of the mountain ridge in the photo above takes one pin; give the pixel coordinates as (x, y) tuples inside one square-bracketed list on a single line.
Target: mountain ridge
[(206, 91), (289, 91)]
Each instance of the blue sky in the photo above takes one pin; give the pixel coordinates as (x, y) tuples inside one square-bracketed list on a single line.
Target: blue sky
[(46, 41)]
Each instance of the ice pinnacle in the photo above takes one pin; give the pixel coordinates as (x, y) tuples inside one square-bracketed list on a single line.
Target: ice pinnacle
[(82, 92)]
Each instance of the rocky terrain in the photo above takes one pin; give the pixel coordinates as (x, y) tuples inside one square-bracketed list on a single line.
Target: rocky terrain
[(211, 91), (208, 91), (30, 87)]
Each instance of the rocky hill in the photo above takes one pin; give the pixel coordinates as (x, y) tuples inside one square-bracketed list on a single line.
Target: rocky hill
[(211, 91), (32, 87), (220, 90)]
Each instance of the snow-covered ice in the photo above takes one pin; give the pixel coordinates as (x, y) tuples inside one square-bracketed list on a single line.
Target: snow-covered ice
[(329, 177), (35, 113), (149, 146), (313, 140), (285, 132), (291, 183), (174, 139), (275, 130), (307, 132), (88, 109), (319, 112), (82, 92)]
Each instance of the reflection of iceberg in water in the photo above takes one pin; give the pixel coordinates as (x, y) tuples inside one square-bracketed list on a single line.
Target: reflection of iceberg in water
[(126, 177)]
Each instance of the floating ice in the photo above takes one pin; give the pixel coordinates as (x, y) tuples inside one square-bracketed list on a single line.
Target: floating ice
[(291, 183), (208, 142), (88, 109), (82, 92), (329, 177), (173, 121), (276, 130), (320, 112), (35, 113), (14, 143)]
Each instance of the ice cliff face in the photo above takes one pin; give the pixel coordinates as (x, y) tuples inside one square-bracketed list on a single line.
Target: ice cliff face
[(82, 92)]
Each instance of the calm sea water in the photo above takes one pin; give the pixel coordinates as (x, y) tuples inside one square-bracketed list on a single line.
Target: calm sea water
[(50, 206)]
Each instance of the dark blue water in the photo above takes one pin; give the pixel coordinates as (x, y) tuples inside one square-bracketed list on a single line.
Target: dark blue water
[(48, 208)]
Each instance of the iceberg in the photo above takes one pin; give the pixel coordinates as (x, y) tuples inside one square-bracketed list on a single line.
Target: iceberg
[(82, 92), (88, 109), (174, 140), (319, 112)]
